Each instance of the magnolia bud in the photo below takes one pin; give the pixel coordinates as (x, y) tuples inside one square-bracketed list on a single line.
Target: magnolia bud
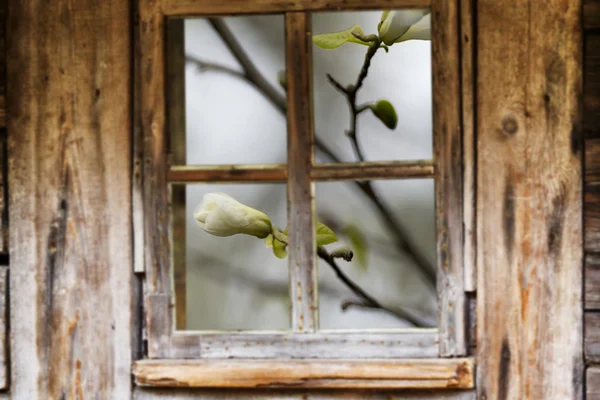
[(221, 215), (400, 26)]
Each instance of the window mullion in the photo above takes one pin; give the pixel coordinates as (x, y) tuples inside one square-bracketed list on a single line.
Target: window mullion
[(303, 271)]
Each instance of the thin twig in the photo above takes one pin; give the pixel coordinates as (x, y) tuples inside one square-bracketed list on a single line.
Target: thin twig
[(204, 66), (395, 312), (367, 298), (253, 76)]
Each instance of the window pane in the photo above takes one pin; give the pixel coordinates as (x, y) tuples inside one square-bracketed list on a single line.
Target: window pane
[(230, 119), (233, 282), (381, 267), (401, 77)]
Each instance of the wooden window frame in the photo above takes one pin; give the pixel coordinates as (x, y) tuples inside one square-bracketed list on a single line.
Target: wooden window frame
[(303, 357)]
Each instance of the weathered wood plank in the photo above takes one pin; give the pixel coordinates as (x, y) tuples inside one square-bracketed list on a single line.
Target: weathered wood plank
[(301, 202), (277, 173), (467, 36), (373, 170), (591, 14), (592, 282), (143, 393), (234, 173), (591, 88), (449, 192), (4, 353), (69, 129), (591, 216), (358, 374), (3, 196), (3, 13), (177, 152), (593, 383), (592, 160), (592, 336), (413, 343), (217, 7), (529, 325)]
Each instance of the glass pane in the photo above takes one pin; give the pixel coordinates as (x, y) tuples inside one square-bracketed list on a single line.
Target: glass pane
[(401, 76), (233, 282), (230, 119), (381, 267)]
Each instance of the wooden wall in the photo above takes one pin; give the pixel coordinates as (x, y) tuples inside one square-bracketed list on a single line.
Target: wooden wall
[(69, 102), (591, 128), (73, 294)]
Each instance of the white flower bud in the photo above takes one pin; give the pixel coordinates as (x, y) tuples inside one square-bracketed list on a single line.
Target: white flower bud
[(400, 26), (221, 215)]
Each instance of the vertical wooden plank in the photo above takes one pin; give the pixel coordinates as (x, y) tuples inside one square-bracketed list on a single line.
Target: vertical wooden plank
[(467, 39), (4, 378), (593, 383), (303, 269), (3, 14), (529, 236), (152, 119), (592, 282), (176, 131), (591, 90), (69, 130), (449, 194)]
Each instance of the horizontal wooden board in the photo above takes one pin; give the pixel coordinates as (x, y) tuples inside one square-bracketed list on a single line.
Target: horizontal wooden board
[(145, 393), (592, 160), (274, 173), (591, 85), (592, 336), (365, 374), (277, 173), (591, 214), (410, 343), (591, 14), (593, 383), (592, 282), (373, 170), (220, 7)]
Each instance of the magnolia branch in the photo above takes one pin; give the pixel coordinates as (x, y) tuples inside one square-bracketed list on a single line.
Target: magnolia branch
[(251, 75)]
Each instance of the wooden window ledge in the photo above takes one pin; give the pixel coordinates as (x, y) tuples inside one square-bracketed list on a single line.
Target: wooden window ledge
[(454, 373)]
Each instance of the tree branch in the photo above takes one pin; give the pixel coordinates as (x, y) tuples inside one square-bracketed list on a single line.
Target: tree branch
[(253, 76), (367, 300)]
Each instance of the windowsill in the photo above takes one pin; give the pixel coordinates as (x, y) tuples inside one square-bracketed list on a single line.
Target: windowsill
[(433, 373)]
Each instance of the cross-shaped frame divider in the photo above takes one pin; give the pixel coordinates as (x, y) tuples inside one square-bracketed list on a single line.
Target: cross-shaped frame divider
[(305, 356)]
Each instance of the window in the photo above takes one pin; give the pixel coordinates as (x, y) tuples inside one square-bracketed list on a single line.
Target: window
[(398, 358)]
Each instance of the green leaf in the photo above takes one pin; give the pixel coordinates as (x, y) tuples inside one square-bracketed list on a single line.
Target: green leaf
[(269, 241), (384, 110), (279, 249), (359, 244), (325, 235), (334, 40)]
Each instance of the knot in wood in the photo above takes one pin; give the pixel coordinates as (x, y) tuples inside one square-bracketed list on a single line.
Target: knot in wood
[(510, 125)]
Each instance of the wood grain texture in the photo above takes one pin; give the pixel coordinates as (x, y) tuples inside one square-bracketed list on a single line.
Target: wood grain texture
[(4, 226), (449, 192), (217, 7), (592, 160), (301, 203), (529, 326), (3, 16), (591, 216), (4, 332), (144, 393), (592, 282), (358, 374), (591, 89), (591, 14), (593, 383), (467, 40), (412, 343), (69, 130), (592, 337), (177, 151), (234, 173), (373, 170)]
